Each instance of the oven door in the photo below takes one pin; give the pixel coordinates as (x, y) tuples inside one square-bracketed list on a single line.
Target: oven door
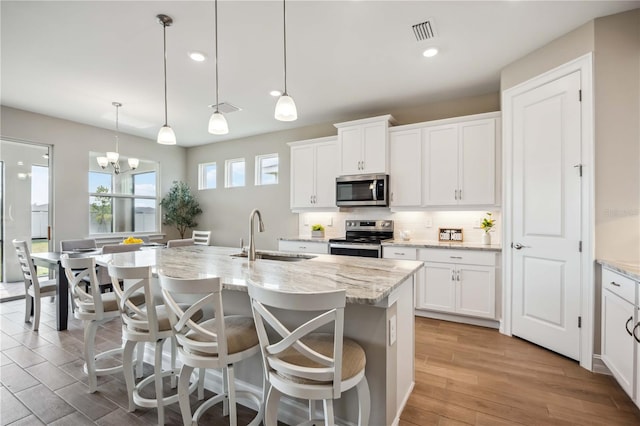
[(362, 190), (363, 250)]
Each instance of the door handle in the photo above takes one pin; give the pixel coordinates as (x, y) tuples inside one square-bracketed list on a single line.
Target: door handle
[(518, 246), (374, 190), (626, 326)]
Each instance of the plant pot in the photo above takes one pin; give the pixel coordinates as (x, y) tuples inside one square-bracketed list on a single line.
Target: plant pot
[(317, 234), (486, 238)]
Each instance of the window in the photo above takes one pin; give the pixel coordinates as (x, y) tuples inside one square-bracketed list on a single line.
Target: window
[(125, 202), (234, 173), (207, 176), (267, 169)]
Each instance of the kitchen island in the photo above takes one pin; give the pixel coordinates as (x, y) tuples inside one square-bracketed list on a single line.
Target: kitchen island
[(379, 313)]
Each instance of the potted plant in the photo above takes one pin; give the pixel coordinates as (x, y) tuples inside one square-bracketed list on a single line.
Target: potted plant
[(180, 207), (317, 231), (487, 223)]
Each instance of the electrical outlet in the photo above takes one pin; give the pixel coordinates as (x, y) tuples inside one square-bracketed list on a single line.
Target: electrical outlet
[(392, 330), (476, 223), (428, 222)]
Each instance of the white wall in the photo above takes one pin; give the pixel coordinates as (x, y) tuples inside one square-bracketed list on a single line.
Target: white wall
[(71, 144)]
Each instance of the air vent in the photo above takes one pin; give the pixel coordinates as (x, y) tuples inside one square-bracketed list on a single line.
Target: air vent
[(424, 30), (226, 107)]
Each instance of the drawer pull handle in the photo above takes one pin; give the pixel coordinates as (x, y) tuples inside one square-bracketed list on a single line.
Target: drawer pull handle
[(634, 332), (615, 283), (626, 326), (303, 247), (399, 254), (455, 257)]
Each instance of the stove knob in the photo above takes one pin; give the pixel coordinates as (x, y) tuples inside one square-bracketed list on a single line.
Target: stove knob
[(386, 224)]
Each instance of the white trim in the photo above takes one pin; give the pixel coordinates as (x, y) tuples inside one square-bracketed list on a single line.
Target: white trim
[(444, 121), (259, 168), (202, 176), (228, 173), (599, 366), (584, 64), (396, 420), (482, 322)]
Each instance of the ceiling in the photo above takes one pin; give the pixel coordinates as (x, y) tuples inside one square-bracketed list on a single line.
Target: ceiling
[(72, 59)]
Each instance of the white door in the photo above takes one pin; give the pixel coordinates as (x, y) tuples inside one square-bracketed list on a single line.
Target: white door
[(439, 287), (546, 215), (440, 157), (476, 291), (617, 343), (326, 171), (350, 141), (405, 164), (302, 176), (374, 148), (477, 162)]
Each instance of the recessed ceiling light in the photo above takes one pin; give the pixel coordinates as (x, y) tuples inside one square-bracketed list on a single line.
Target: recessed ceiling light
[(430, 52), (275, 93), (20, 163), (197, 56)]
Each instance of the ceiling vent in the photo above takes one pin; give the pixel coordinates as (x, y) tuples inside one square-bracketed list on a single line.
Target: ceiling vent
[(424, 30), (226, 107)]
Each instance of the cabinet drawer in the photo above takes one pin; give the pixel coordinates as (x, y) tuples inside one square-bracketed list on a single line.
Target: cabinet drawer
[(619, 284), (468, 257), (303, 247), (392, 252)]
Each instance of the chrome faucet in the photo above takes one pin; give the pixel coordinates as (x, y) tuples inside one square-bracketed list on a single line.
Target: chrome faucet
[(252, 244)]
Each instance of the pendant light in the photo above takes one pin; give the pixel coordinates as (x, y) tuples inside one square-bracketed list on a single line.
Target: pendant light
[(166, 136), (113, 157), (286, 107), (217, 123)]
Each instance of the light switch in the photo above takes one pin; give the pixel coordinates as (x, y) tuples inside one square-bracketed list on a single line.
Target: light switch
[(392, 330), (428, 222)]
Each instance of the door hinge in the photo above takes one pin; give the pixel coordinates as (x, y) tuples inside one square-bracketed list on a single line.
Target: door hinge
[(579, 322), (580, 95), (580, 246)]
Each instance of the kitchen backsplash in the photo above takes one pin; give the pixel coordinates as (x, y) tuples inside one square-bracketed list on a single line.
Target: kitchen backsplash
[(422, 225)]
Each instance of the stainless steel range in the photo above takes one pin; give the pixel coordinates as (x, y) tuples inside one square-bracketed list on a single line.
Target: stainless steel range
[(363, 238)]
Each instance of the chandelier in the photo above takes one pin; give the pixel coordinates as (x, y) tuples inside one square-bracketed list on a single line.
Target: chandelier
[(114, 157)]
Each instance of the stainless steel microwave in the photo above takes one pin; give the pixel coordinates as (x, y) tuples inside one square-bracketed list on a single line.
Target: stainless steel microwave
[(362, 190)]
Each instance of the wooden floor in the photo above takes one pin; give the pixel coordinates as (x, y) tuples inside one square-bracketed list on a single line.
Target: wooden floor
[(474, 375), (464, 375)]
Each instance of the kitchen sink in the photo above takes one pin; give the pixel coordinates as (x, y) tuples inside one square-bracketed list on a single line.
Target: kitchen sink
[(282, 257)]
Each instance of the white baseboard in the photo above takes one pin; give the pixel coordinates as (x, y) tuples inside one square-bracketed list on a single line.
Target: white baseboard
[(599, 366), (396, 421), (458, 318)]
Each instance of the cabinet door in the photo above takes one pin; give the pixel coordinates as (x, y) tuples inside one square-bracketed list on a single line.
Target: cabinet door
[(350, 140), (476, 291), (326, 169), (617, 344), (477, 163), (374, 148), (438, 287), (440, 162), (405, 164), (302, 176)]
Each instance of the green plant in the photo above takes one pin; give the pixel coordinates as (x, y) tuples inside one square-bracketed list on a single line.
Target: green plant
[(317, 227), (487, 222), (180, 208)]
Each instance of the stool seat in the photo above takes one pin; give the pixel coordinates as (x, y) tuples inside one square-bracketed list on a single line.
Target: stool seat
[(240, 332)]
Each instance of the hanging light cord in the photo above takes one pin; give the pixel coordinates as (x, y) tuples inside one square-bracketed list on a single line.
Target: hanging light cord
[(216, 34), (284, 21), (117, 128), (164, 34)]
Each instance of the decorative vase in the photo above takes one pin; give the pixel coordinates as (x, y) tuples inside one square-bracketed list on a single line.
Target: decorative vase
[(486, 238), (317, 234)]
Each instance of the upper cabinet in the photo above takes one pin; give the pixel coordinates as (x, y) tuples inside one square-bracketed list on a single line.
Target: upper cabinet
[(363, 145), (460, 163), (405, 164), (313, 174)]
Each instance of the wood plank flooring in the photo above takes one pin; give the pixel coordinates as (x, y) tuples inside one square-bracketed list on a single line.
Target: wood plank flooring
[(465, 375)]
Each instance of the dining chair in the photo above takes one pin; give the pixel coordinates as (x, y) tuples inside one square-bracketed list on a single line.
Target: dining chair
[(103, 273), (300, 359), (180, 243), (219, 342), (141, 324), (84, 244), (34, 289), (94, 309), (201, 238)]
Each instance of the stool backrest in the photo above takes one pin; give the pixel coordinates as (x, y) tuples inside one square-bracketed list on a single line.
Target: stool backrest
[(26, 264), (180, 243), (208, 341), (201, 238), (87, 243), (120, 248), (88, 303), (270, 306)]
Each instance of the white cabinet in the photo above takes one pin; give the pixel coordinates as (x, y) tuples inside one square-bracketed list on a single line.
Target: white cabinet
[(459, 160), (363, 145), (619, 318), (294, 246), (405, 168), (395, 252), (458, 281), (313, 173)]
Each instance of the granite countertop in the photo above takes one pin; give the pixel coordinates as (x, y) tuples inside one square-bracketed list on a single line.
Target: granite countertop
[(628, 268), (444, 245), (366, 280)]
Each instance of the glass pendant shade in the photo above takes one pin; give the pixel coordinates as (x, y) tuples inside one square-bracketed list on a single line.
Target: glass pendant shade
[(166, 136), (218, 124), (133, 163), (102, 161), (112, 157), (286, 109)]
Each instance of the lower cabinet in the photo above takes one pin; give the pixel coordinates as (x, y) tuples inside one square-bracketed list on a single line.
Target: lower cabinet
[(620, 348), (318, 247)]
